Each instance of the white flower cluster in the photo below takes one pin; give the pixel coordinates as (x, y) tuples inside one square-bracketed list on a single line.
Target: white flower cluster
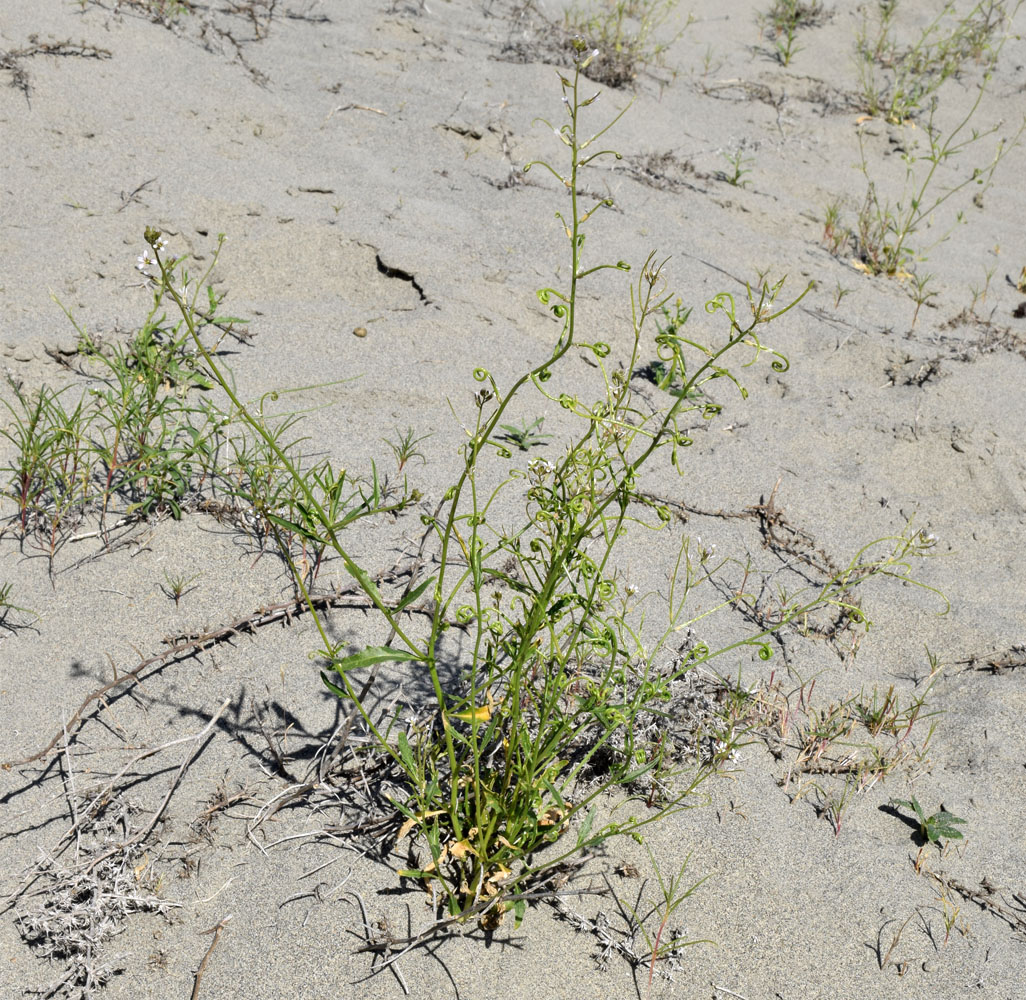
[(148, 259), (541, 467), (705, 552)]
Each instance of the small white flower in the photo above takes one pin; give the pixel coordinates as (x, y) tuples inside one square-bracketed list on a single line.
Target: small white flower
[(161, 242), (145, 260)]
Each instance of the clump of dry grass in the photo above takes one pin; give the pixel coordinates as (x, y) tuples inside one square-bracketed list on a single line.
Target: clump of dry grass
[(78, 908)]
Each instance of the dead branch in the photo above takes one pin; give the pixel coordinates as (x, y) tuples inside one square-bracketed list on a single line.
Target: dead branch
[(189, 643)]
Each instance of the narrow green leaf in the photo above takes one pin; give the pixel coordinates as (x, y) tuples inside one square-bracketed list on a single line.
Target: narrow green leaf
[(363, 578), (414, 594), (376, 497), (585, 830), (637, 773), (371, 655), (333, 688), (554, 792), (407, 755), (284, 522)]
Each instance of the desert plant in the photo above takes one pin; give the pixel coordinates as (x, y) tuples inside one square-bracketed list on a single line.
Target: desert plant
[(7, 606), (835, 234), (782, 21), (663, 371), (177, 585), (50, 475), (626, 34), (662, 941), (150, 439), (839, 293), (740, 166), (138, 439), (940, 824), (898, 82), (919, 291), (404, 446), (527, 435), (518, 743), (884, 229), (784, 14)]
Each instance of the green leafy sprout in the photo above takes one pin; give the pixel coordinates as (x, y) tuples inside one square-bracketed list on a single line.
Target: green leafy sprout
[(933, 828), (527, 435)]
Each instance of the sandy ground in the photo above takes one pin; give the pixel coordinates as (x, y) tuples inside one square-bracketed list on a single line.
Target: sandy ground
[(339, 140)]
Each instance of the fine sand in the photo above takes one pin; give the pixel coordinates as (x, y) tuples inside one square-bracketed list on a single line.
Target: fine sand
[(361, 157)]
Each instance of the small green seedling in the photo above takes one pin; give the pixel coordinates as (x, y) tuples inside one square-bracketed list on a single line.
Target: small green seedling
[(940, 824), (7, 606), (740, 167), (527, 435), (674, 894), (176, 587), (664, 376), (404, 447)]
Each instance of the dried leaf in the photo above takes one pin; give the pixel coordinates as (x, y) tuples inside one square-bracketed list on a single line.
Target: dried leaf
[(411, 823)]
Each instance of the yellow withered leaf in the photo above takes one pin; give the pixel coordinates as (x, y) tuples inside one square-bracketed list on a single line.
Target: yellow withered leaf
[(551, 816), (411, 823), (475, 716), (431, 865), (461, 849)]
